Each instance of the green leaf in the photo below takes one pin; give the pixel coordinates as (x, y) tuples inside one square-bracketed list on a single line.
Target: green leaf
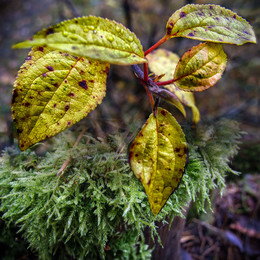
[(91, 37), (164, 62), (200, 67), (210, 23), (54, 90), (158, 157)]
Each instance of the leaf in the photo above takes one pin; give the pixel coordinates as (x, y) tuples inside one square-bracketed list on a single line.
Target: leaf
[(200, 67), (162, 61), (54, 90), (209, 23), (91, 37), (158, 157)]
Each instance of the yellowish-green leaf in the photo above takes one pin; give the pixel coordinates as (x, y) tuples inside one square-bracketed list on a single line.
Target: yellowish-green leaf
[(164, 62), (54, 90), (91, 37), (158, 157), (210, 23), (200, 67)]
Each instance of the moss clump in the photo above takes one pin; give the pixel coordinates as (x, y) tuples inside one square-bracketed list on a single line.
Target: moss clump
[(98, 209)]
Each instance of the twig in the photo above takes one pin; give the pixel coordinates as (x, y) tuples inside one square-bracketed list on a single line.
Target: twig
[(66, 163)]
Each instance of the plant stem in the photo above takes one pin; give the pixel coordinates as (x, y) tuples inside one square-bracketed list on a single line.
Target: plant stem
[(150, 95), (145, 72), (164, 39), (167, 82)]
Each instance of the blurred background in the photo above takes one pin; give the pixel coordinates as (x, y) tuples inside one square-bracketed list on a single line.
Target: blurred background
[(236, 96)]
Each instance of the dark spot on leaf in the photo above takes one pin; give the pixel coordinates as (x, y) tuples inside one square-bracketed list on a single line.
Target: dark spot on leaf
[(200, 13), (44, 74), (71, 94), (22, 145), (29, 58), (82, 72), (54, 105), (107, 70), (93, 96), (55, 85), (163, 112), (66, 54), (83, 84), (177, 150), (15, 95), (191, 34), (49, 31), (246, 32), (75, 57), (182, 14), (169, 28), (235, 16), (216, 18), (136, 155), (91, 81), (220, 40), (211, 7), (58, 123), (40, 49), (74, 48), (76, 22), (50, 68), (67, 107), (27, 104), (65, 81), (69, 123), (185, 149)]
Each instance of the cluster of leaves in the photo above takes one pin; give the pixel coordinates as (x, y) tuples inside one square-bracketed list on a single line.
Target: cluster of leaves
[(98, 208), (64, 78)]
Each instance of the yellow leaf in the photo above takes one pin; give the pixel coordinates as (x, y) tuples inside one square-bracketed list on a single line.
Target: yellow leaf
[(209, 23), (201, 67), (158, 157), (54, 90), (164, 62), (91, 37)]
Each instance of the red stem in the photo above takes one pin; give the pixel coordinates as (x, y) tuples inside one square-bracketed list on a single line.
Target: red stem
[(164, 39), (150, 95), (163, 83), (145, 72)]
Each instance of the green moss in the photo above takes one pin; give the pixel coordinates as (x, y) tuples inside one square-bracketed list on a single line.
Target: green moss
[(98, 209)]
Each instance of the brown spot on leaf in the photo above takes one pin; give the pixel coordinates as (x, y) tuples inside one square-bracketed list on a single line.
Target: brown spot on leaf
[(49, 31), (15, 95), (182, 14), (40, 49), (169, 28), (50, 68), (67, 107), (71, 94), (83, 84), (27, 104), (163, 112), (69, 123), (234, 16), (177, 150), (54, 105)]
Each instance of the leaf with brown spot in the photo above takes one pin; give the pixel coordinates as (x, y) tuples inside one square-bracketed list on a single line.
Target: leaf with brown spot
[(50, 94), (201, 67), (209, 23), (158, 156), (164, 62), (91, 37)]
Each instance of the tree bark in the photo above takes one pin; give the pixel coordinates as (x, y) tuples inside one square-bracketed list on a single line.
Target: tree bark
[(170, 237)]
